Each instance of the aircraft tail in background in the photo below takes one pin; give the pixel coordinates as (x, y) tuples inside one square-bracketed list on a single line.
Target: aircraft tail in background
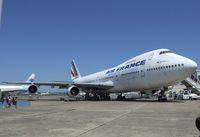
[(31, 78)]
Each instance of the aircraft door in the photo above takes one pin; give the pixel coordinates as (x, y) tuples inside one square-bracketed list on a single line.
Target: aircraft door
[(117, 78), (142, 71), (148, 62)]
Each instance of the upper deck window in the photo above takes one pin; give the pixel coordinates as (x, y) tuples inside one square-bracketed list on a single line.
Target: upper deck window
[(164, 52)]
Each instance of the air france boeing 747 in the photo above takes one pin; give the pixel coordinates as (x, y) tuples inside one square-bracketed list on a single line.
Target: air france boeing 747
[(153, 70)]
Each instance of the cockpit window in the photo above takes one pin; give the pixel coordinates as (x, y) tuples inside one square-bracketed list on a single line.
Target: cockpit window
[(164, 52)]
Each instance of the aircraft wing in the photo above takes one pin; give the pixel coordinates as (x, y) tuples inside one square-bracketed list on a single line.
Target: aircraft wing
[(52, 84), (96, 86), (64, 84)]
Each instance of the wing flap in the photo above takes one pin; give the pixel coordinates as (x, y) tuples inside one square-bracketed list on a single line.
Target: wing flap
[(95, 86)]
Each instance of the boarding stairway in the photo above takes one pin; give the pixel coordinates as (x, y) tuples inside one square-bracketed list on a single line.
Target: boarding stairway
[(192, 84)]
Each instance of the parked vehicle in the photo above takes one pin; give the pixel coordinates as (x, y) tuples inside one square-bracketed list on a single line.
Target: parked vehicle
[(187, 95), (193, 96)]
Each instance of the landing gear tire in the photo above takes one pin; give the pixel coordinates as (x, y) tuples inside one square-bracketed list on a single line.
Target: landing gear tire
[(104, 96), (162, 97), (121, 98), (91, 96)]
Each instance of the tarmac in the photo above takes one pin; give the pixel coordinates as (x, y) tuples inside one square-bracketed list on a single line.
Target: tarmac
[(141, 118)]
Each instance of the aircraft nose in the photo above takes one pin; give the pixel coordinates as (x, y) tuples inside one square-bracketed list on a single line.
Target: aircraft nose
[(192, 64), (189, 67)]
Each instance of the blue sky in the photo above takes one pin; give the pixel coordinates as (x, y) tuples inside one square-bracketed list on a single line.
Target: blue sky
[(43, 36)]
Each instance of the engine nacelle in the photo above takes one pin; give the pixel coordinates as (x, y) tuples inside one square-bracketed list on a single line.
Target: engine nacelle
[(73, 91), (32, 89)]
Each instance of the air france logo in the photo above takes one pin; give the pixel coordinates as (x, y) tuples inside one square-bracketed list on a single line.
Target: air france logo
[(129, 66)]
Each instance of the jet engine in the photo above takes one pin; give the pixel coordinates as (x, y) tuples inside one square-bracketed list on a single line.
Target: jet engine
[(32, 89), (73, 91)]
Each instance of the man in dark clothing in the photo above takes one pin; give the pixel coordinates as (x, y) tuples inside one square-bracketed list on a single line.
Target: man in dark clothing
[(14, 101), (8, 100), (2, 101)]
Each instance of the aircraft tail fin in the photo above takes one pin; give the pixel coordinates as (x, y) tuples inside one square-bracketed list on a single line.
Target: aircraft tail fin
[(75, 74), (31, 78)]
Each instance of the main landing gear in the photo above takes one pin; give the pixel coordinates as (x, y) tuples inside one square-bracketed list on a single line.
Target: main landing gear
[(97, 96), (162, 96), (121, 97)]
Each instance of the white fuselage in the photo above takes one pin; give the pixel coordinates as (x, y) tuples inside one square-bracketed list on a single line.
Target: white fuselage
[(149, 71)]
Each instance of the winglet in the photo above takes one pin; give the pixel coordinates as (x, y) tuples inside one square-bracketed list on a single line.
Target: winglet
[(75, 74), (31, 78)]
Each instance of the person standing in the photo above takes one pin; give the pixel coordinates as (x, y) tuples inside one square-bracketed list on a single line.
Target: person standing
[(9, 100), (14, 102), (2, 101)]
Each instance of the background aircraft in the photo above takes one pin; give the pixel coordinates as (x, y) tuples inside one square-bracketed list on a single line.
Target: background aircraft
[(153, 70), (4, 89)]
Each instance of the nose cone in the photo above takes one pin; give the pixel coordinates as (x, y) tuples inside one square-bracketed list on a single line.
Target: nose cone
[(191, 64)]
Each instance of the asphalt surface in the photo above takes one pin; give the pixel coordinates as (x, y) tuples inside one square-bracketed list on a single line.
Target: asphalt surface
[(101, 119)]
